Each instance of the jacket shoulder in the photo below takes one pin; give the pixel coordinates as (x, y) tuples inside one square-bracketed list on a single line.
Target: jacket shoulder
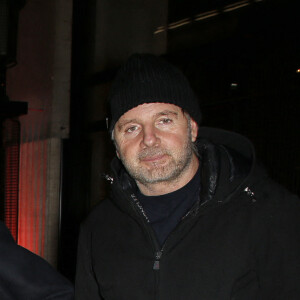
[(276, 210)]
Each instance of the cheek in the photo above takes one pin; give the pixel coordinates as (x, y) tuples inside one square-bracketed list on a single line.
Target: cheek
[(127, 150), (175, 141)]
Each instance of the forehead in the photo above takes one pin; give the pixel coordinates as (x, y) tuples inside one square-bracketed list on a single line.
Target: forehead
[(148, 110)]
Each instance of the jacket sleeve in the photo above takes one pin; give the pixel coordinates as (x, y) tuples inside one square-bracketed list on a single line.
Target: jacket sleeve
[(279, 250), (24, 275), (86, 286)]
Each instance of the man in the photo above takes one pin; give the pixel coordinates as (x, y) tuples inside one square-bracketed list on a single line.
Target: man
[(191, 216), (26, 276)]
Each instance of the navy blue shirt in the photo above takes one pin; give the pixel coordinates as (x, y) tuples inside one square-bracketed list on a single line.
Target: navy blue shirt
[(166, 211)]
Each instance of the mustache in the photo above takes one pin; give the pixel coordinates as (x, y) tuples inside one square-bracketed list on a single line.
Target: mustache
[(149, 152)]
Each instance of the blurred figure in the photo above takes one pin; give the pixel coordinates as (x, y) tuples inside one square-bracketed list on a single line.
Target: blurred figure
[(26, 276)]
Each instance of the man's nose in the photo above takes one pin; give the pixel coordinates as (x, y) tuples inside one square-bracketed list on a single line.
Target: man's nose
[(150, 137)]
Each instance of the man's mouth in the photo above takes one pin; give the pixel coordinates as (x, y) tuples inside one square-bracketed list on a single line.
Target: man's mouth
[(153, 158)]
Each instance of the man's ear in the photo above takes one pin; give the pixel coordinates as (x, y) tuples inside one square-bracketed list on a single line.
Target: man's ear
[(194, 130)]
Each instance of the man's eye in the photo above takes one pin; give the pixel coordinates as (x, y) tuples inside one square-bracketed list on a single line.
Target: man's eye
[(131, 129), (165, 121)]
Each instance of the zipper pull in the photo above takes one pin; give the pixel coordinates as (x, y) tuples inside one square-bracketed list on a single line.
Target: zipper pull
[(108, 178), (158, 255), (250, 194)]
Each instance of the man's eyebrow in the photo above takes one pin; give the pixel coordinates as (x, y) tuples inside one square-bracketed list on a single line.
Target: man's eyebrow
[(166, 113)]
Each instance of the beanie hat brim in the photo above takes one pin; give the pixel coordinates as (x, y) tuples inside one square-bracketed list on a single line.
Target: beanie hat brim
[(146, 78)]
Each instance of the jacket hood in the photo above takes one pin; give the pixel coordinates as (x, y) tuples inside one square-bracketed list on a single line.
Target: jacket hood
[(227, 162), (226, 159)]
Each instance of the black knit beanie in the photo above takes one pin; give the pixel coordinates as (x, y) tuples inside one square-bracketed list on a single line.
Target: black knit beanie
[(146, 78)]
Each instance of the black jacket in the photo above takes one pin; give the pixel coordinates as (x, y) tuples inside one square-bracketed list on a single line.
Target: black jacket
[(241, 240), (26, 276)]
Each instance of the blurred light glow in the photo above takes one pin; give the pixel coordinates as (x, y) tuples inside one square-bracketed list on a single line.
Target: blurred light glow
[(160, 29), (206, 15), (179, 23), (235, 6)]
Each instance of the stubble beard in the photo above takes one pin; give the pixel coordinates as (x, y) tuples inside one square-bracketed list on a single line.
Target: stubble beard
[(178, 162)]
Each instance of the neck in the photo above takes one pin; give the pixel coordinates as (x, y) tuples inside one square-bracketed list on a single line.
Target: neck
[(169, 186)]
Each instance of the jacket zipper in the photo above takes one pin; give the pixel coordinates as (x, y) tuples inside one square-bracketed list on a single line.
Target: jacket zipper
[(159, 253), (139, 209)]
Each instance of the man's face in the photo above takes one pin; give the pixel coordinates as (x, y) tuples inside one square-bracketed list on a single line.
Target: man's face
[(154, 142)]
